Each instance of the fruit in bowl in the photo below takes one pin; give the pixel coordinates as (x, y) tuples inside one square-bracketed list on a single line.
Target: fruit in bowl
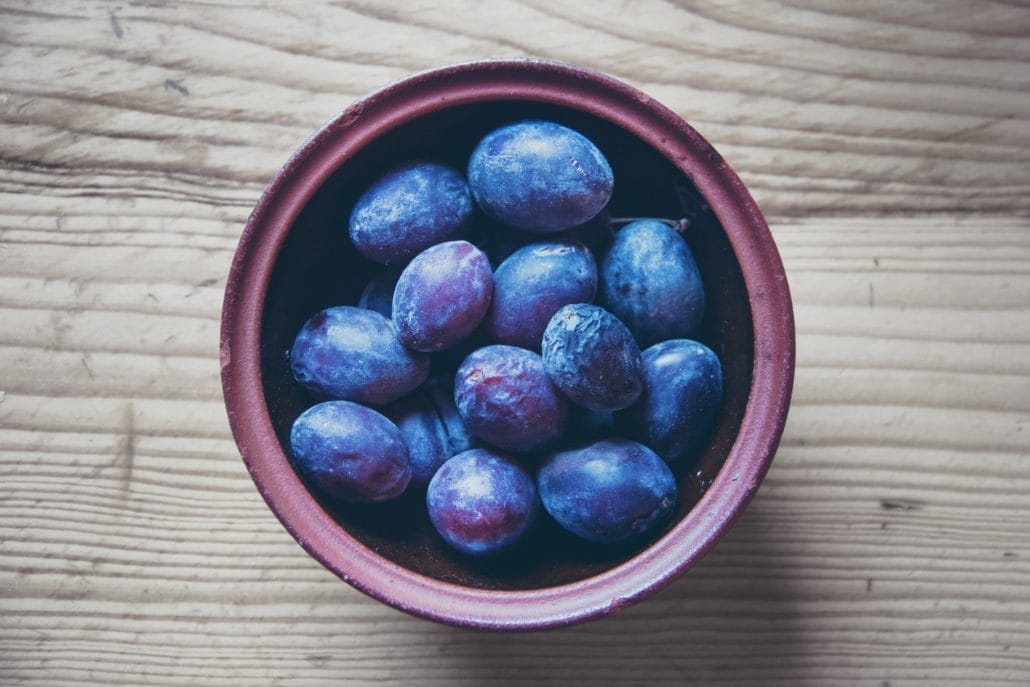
[(296, 259), (538, 177)]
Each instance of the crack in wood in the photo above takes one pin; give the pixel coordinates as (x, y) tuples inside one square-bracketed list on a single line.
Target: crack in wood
[(173, 85), (900, 504), (127, 453), (116, 25)]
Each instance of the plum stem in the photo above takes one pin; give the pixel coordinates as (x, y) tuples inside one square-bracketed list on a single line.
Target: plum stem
[(679, 225)]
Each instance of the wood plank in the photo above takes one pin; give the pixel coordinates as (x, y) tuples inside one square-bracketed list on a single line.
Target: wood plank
[(887, 539), (889, 147), (822, 112)]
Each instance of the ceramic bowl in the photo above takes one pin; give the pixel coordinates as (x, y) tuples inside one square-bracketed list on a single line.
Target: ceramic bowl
[(294, 258)]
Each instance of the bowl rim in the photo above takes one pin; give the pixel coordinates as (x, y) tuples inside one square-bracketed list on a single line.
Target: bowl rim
[(465, 83)]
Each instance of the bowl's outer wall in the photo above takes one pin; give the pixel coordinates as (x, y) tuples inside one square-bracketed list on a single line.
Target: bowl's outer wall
[(294, 259)]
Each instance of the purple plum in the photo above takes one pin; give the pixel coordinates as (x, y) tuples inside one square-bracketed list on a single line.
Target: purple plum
[(354, 354), (442, 296), (482, 502), (506, 399), (532, 284), (609, 492), (592, 358), (431, 428), (409, 208), (681, 400), (378, 293), (350, 452), (650, 281), (539, 176)]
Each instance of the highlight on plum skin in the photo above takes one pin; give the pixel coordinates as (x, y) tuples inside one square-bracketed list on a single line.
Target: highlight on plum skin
[(442, 296), (409, 208), (354, 354), (350, 452), (610, 492), (482, 502), (507, 399)]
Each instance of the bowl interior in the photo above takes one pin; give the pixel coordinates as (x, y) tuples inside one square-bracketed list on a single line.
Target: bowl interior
[(317, 268)]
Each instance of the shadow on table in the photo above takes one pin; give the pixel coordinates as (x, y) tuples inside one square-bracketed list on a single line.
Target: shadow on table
[(734, 618)]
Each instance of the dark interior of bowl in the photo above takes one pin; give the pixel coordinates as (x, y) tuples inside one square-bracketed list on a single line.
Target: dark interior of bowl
[(318, 268)]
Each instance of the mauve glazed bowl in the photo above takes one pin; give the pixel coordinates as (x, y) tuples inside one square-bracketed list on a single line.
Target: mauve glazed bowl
[(294, 258)]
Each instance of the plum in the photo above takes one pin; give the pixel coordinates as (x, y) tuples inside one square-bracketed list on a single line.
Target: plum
[(681, 399), (482, 502), (354, 354), (610, 492), (431, 428), (440, 392), (412, 206), (442, 296), (378, 293), (650, 281), (539, 176), (532, 284), (350, 452), (593, 358), (506, 398)]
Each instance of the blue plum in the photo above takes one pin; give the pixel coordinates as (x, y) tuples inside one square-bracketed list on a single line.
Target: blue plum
[(506, 398), (412, 206), (593, 358), (431, 428), (482, 502), (378, 293), (350, 452), (532, 284), (610, 492), (440, 392), (354, 354), (681, 400), (650, 281), (539, 176), (442, 296)]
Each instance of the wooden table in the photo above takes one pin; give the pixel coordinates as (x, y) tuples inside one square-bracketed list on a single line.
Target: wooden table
[(890, 149)]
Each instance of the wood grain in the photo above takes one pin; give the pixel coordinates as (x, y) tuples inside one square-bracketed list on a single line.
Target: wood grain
[(890, 148), (916, 109)]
